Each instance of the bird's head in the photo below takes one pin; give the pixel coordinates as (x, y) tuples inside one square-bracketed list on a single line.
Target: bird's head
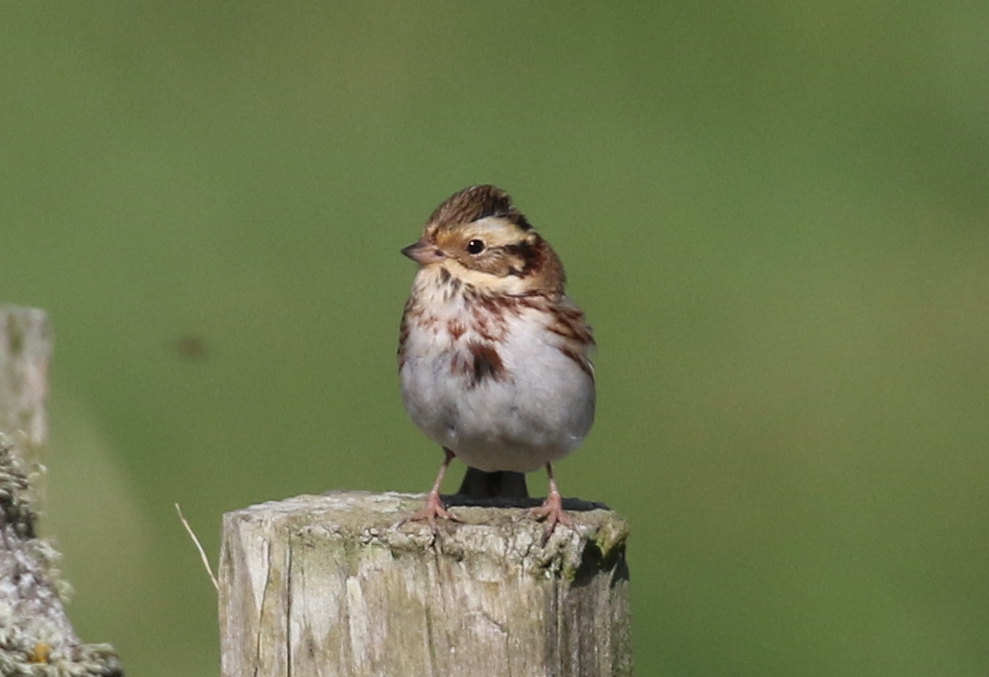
[(481, 239)]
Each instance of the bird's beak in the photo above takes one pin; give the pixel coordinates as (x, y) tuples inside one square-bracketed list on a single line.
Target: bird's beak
[(424, 253)]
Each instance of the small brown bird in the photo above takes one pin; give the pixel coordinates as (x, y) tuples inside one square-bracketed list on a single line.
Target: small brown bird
[(494, 357)]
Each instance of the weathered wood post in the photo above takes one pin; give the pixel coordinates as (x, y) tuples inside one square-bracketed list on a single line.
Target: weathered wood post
[(36, 637), (327, 585)]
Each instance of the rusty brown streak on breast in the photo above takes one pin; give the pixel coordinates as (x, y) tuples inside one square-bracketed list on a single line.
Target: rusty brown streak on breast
[(403, 334), (450, 284), (487, 363), (456, 329), (570, 324), (582, 362), (502, 305), (491, 329)]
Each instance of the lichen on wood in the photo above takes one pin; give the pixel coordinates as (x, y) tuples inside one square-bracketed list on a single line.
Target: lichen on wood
[(36, 637)]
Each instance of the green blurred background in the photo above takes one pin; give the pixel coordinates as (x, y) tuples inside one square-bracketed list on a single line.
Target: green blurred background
[(775, 215)]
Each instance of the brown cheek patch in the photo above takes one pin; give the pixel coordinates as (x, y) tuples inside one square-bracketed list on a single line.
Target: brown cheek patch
[(530, 255)]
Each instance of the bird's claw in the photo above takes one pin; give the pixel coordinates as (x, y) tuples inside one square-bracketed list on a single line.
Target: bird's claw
[(551, 513), (434, 508)]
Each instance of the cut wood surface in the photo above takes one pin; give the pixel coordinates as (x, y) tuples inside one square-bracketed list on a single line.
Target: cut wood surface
[(327, 585)]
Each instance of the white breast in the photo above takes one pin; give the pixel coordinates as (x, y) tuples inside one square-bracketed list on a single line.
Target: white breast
[(537, 410)]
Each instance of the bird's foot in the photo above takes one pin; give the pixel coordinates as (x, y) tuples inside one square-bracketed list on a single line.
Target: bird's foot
[(434, 508), (552, 513)]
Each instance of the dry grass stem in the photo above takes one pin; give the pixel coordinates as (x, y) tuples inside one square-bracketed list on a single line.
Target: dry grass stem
[(199, 546)]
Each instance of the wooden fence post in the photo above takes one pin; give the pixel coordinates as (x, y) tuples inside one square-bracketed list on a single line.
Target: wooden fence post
[(327, 585)]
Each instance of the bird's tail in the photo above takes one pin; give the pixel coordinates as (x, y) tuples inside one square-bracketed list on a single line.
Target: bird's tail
[(499, 484)]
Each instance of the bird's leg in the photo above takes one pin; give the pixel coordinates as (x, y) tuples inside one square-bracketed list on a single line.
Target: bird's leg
[(434, 504), (552, 508)]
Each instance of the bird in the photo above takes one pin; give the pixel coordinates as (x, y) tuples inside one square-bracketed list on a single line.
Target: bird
[(494, 358)]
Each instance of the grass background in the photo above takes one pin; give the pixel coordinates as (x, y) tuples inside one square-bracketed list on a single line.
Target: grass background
[(775, 216)]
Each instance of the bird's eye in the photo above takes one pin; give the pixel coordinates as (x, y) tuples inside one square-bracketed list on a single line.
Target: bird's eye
[(475, 247)]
